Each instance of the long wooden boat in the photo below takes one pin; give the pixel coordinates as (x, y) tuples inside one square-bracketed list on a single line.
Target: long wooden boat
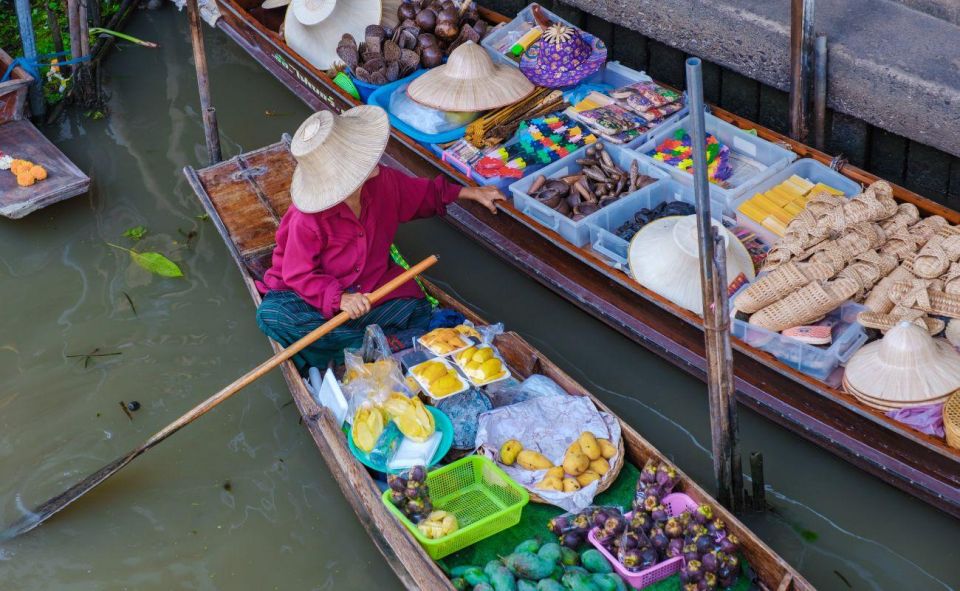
[(245, 198), (919, 464)]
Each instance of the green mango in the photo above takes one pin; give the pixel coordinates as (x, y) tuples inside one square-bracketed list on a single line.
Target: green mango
[(531, 545), (550, 585), (550, 552), (575, 569), (458, 571), (474, 576), (527, 565), (526, 585), (603, 583), (483, 587), (501, 579), (577, 581), (595, 562), (557, 573), (459, 583), (569, 556), (618, 583)]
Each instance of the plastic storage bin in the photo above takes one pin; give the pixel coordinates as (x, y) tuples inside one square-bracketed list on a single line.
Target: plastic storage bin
[(577, 233), (482, 497), (501, 39), (815, 361), (675, 503), (602, 225), (806, 168), (758, 158), (381, 98)]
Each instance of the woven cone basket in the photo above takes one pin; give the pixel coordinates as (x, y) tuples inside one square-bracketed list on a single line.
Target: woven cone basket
[(469, 82), (951, 420), (906, 368)]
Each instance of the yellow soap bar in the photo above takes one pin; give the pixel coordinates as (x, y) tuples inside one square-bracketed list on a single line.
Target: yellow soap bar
[(753, 212), (777, 197), (802, 184), (793, 209), (827, 188), (774, 225)]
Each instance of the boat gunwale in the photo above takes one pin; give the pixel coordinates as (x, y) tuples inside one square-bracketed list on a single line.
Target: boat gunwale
[(941, 489), (524, 359)]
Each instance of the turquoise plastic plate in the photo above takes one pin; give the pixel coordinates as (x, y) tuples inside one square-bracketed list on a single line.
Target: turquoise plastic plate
[(443, 425)]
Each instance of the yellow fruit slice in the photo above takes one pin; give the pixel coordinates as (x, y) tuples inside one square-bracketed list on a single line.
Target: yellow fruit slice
[(483, 354)]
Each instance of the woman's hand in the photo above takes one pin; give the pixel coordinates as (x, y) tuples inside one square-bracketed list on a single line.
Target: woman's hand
[(485, 196), (355, 304)]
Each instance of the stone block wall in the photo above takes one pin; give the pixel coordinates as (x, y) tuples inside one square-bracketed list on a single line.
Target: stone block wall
[(925, 170)]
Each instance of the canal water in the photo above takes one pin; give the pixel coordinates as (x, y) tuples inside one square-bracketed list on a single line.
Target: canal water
[(242, 499)]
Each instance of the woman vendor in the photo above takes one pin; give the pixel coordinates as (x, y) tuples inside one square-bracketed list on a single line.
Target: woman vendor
[(333, 244)]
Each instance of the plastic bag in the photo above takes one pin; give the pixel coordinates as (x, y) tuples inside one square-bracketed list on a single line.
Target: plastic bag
[(425, 119), (572, 527), (513, 392), (371, 372)]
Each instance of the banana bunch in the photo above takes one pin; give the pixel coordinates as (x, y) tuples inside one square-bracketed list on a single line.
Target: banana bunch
[(442, 341), (411, 416), (438, 524), (367, 426), (441, 379), (480, 364)]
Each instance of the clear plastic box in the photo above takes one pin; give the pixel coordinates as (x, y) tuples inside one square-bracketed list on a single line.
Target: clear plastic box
[(806, 168), (575, 232), (754, 159), (602, 225), (815, 361), (502, 38)]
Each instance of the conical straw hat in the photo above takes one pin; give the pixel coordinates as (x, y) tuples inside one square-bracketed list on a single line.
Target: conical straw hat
[(268, 4), (313, 28), (389, 15), (664, 256), (470, 81), (335, 154), (907, 367)]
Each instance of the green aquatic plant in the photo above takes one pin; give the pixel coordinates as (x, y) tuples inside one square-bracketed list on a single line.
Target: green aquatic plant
[(136, 232), (154, 262)]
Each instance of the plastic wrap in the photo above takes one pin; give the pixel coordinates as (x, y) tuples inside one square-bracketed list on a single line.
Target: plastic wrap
[(547, 424), (371, 372), (513, 392), (425, 119)]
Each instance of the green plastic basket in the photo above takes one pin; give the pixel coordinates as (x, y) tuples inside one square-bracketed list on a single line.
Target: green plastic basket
[(482, 497)]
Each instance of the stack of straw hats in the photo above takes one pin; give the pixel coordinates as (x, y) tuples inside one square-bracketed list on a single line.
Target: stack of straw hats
[(905, 369), (664, 256), (470, 82)]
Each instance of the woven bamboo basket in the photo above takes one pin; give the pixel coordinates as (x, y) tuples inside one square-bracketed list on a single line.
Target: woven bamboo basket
[(951, 420), (606, 482)]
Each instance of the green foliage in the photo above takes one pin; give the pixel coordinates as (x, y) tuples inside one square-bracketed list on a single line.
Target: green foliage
[(136, 232), (154, 262)]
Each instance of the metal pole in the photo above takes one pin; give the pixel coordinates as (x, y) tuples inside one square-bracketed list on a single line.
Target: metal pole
[(37, 105), (819, 91), (210, 131), (801, 51), (716, 313)]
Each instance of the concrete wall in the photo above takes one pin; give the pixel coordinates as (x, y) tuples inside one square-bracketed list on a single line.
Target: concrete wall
[(915, 165)]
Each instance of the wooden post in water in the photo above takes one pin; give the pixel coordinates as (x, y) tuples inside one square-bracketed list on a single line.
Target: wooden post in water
[(25, 22), (724, 430), (759, 498), (210, 130), (819, 91), (801, 58)]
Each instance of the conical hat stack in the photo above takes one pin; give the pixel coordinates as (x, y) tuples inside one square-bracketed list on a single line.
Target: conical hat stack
[(906, 368)]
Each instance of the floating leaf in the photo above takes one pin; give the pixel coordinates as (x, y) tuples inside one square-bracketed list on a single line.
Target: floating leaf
[(153, 262), (136, 232), (203, 217)]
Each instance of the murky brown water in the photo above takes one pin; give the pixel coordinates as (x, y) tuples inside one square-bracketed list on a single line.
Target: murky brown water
[(242, 499)]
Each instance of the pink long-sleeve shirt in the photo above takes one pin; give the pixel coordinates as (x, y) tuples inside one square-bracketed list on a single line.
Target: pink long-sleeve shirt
[(322, 255)]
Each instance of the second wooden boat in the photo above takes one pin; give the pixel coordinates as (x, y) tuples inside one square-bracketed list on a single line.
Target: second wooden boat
[(919, 464), (245, 198)]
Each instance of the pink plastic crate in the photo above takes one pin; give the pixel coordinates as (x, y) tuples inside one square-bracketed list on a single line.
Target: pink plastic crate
[(675, 504)]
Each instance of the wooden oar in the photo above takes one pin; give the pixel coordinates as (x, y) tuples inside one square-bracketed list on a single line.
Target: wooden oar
[(59, 502)]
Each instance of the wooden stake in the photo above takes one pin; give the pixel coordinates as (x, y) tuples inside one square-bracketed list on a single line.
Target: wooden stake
[(53, 23), (819, 91), (756, 476), (210, 130), (724, 428), (801, 52), (25, 22)]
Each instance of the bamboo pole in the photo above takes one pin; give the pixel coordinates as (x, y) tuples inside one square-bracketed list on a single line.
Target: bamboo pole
[(801, 52), (819, 91), (210, 130), (724, 431), (25, 22)]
